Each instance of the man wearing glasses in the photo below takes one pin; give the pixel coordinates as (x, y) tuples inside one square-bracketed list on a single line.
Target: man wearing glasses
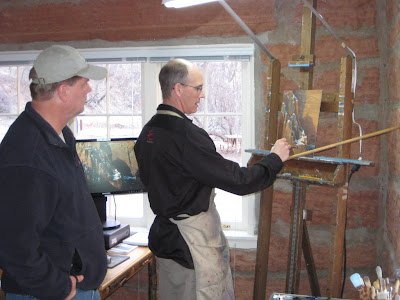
[(180, 167)]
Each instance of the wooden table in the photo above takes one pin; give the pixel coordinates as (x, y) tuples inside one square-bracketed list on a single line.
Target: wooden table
[(116, 277), (119, 275)]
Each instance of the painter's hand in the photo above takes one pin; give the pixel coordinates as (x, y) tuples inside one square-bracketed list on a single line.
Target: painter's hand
[(74, 280), (282, 149)]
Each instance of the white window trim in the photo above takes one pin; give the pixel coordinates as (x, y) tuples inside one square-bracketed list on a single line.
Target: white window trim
[(124, 54)]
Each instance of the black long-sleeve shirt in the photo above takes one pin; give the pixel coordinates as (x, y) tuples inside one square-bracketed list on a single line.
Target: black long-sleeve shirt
[(49, 226), (179, 166)]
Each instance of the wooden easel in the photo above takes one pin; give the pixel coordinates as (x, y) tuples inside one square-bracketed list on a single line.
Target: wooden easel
[(332, 172)]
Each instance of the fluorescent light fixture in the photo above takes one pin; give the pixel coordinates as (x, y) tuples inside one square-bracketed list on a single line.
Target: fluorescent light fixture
[(184, 3)]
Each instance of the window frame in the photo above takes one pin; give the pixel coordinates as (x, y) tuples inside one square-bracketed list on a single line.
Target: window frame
[(153, 58)]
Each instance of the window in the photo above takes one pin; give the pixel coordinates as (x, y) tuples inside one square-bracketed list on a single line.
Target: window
[(114, 106), (121, 104), (13, 94), (221, 114)]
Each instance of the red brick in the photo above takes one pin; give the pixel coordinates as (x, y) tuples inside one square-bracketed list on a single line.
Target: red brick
[(360, 256), (319, 200), (368, 90), (362, 209), (320, 257), (393, 216), (243, 260), (278, 254), (328, 49), (243, 287), (392, 9), (394, 78), (342, 14), (283, 52), (281, 206), (393, 144), (327, 81), (288, 84), (394, 32)]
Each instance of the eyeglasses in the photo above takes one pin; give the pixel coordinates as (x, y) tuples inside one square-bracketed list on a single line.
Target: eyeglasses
[(199, 89)]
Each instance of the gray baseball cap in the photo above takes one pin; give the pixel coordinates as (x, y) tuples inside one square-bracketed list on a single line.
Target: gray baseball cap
[(60, 62)]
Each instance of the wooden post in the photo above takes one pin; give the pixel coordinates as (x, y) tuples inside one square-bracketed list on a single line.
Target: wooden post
[(307, 45), (297, 232), (264, 222), (273, 98), (311, 271), (296, 238), (338, 220)]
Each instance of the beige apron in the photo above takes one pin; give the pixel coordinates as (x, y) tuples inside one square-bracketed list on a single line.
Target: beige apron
[(210, 252)]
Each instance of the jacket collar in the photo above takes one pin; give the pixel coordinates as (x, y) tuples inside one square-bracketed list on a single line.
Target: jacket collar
[(47, 130), (174, 109)]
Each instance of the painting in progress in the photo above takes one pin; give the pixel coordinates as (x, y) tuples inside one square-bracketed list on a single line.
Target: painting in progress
[(299, 118)]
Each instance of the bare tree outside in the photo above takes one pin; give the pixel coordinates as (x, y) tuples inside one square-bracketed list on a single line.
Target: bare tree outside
[(14, 93), (220, 113), (114, 106)]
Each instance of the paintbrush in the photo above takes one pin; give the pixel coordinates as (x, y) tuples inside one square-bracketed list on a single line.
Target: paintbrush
[(373, 293), (396, 287), (367, 283), (381, 281)]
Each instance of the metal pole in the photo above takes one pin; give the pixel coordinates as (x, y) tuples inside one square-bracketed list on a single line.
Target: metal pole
[(245, 28)]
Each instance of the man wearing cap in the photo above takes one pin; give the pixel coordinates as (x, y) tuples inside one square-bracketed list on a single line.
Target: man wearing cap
[(52, 244)]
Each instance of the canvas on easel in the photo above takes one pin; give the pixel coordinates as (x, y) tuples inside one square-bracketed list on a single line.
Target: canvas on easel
[(299, 118)]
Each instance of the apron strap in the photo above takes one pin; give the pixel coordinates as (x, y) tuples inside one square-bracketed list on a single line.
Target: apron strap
[(168, 112)]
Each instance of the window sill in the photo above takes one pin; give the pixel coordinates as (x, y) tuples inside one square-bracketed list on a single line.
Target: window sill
[(241, 239), (236, 239)]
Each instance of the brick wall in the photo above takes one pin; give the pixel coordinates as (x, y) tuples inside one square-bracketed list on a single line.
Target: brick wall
[(390, 171), (369, 27)]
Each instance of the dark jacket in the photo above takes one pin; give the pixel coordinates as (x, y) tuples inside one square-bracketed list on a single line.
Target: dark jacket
[(49, 226), (179, 166)]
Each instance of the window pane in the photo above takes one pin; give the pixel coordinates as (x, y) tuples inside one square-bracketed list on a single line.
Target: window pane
[(25, 82), (5, 123), (226, 132), (229, 206), (125, 126), (8, 90), (224, 87), (96, 100), (201, 105), (127, 206), (125, 88), (90, 127)]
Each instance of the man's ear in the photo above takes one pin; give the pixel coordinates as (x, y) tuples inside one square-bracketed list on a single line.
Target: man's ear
[(63, 92), (177, 89)]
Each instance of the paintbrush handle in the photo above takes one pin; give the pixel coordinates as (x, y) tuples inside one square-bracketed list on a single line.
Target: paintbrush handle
[(365, 136)]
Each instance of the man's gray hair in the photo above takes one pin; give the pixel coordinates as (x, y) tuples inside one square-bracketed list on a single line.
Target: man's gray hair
[(175, 71)]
